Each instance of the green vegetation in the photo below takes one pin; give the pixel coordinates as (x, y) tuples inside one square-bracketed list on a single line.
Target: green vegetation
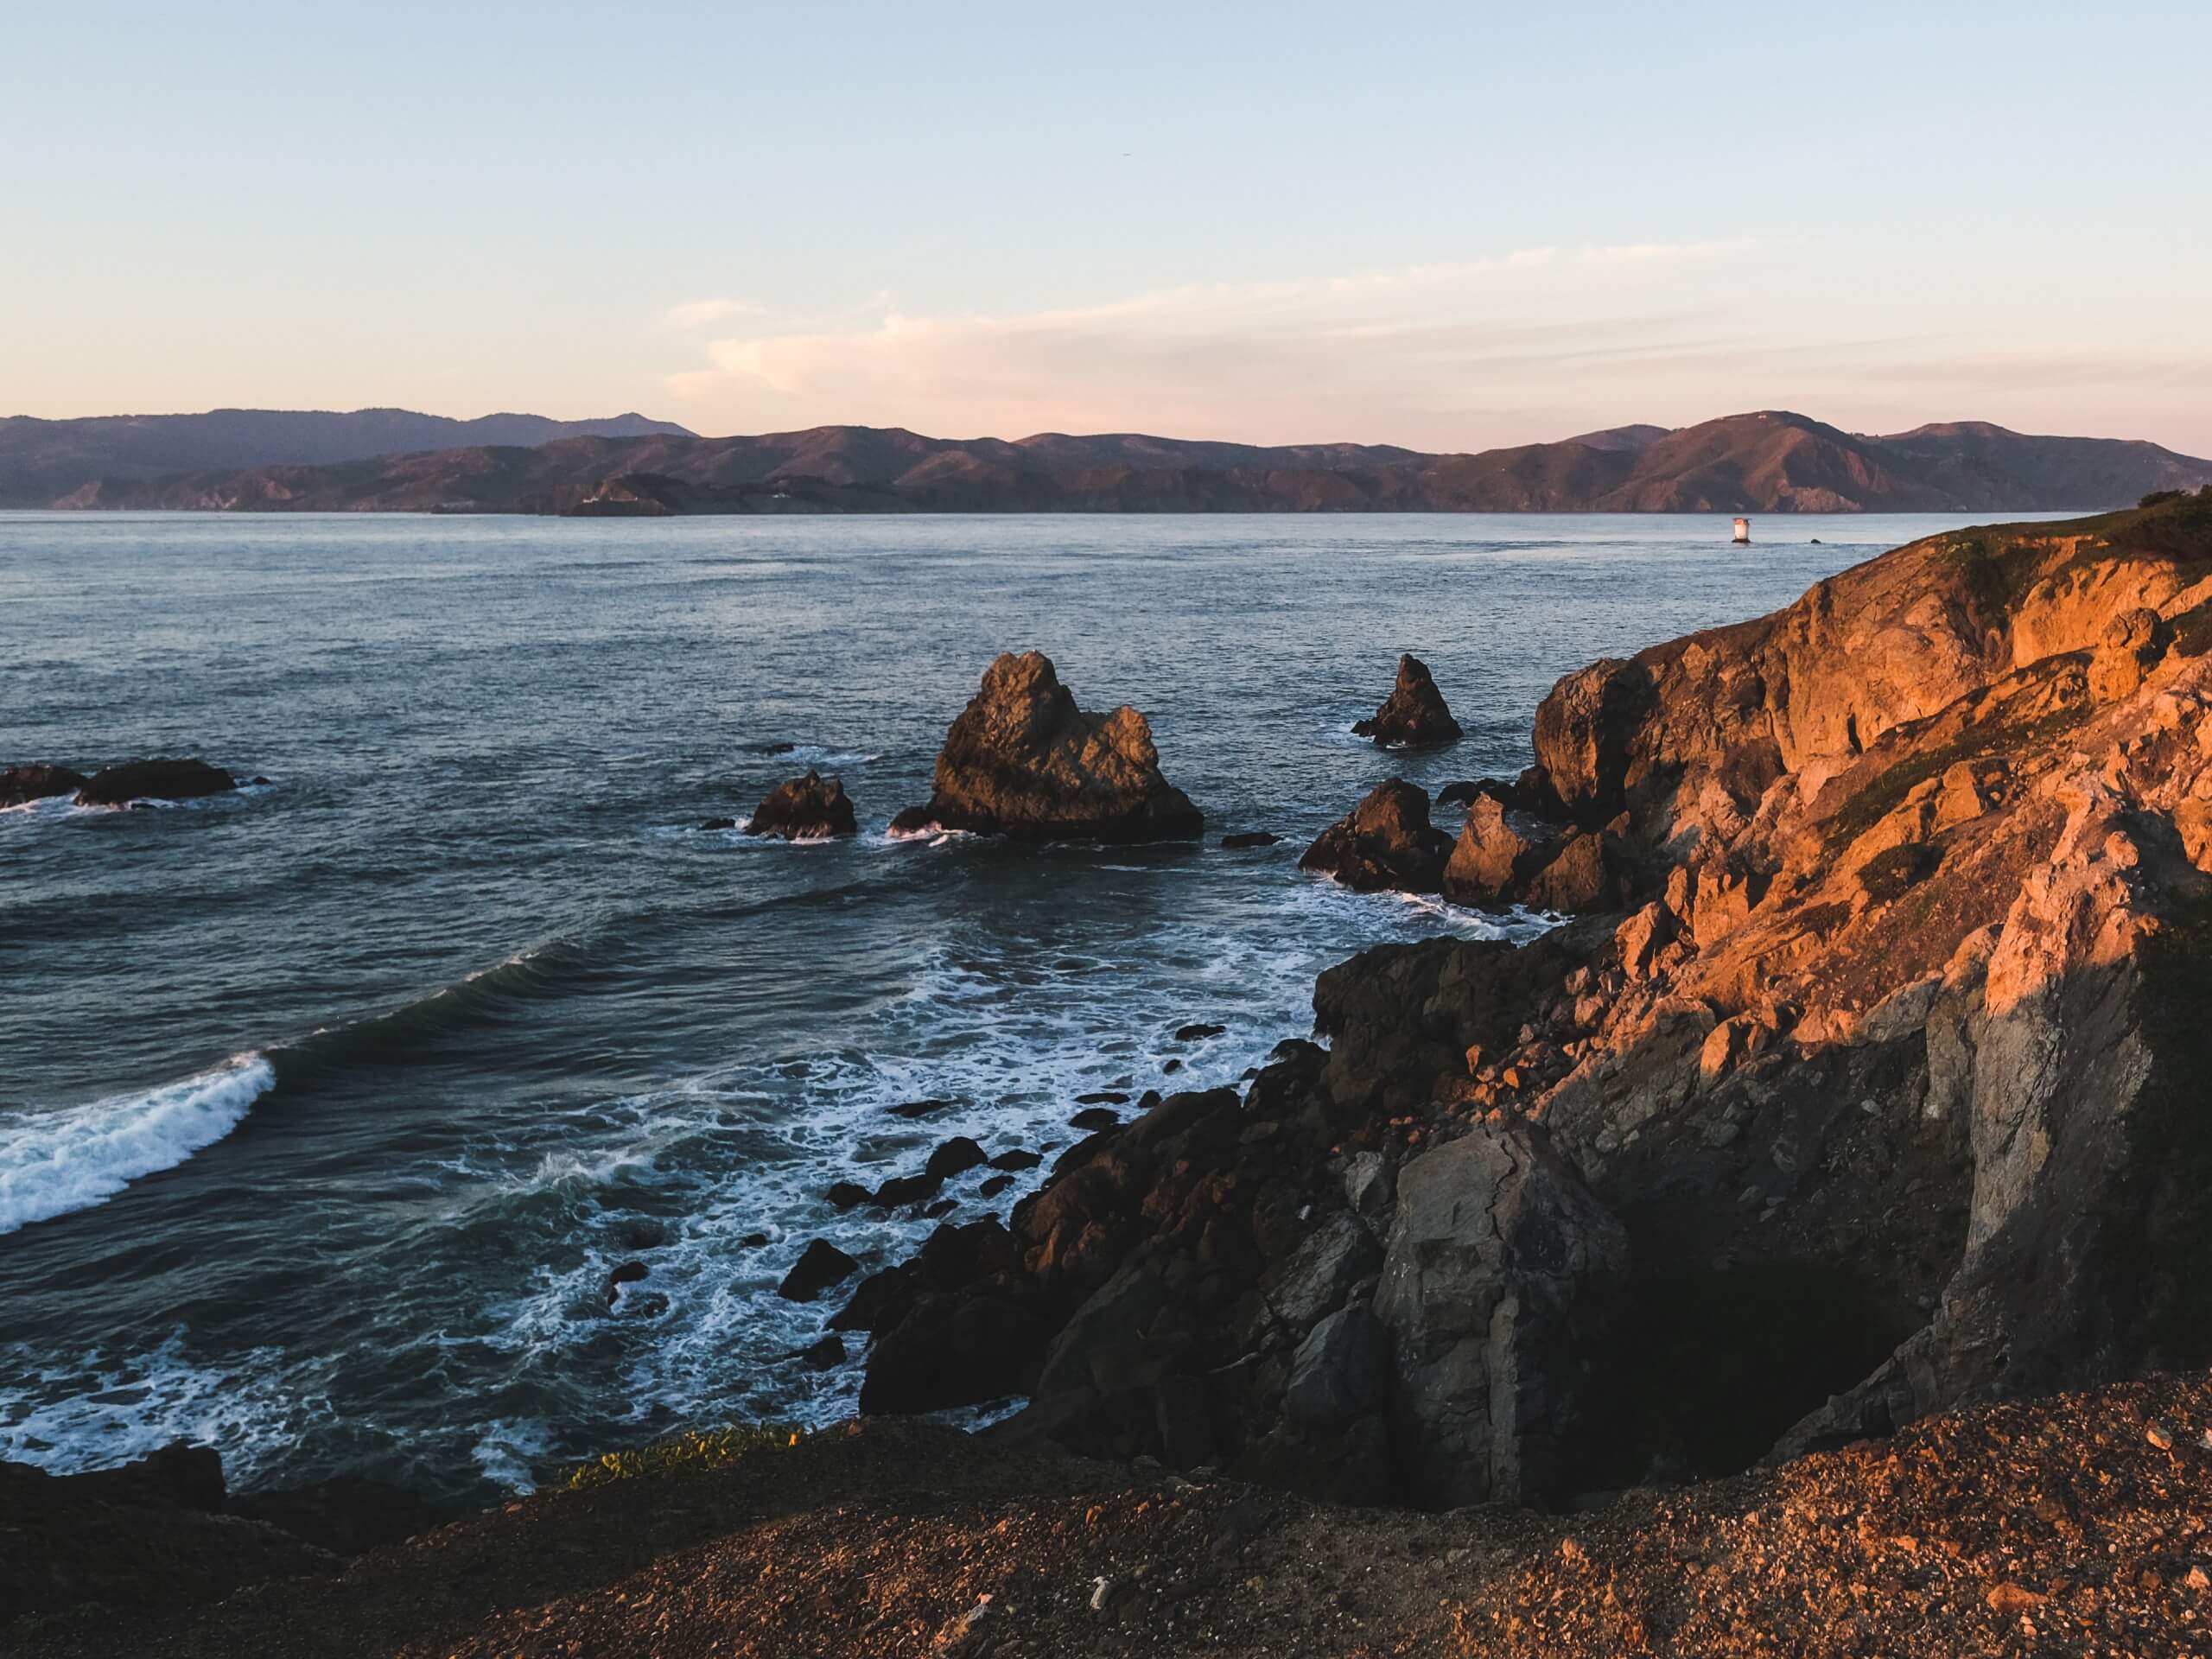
[(1884, 794), (1995, 571), (699, 1452)]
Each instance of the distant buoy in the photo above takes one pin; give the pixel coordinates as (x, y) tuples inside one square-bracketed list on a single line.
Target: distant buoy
[(1743, 529)]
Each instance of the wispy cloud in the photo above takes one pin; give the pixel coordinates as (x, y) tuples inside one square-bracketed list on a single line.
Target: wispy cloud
[(1419, 353), (698, 313)]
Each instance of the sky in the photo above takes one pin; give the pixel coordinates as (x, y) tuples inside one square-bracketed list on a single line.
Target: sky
[(1444, 227)]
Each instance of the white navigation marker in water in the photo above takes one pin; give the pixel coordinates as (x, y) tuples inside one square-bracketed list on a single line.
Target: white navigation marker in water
[(1743, 529)]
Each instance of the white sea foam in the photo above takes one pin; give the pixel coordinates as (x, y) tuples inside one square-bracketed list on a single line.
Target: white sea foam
[(99, 1411), (52, 1162)]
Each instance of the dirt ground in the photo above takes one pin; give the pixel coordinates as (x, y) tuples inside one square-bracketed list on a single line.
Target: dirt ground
[(2076, 1526)]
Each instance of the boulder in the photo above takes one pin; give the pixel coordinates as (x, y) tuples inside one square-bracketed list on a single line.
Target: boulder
[(812, 808), (20, 785), (1386, 843), (1249, 838), (954, 1348), (822, 1265), (956, 1157), (1414, 715), (154, 780), (1023, 761), (1496, 1288)]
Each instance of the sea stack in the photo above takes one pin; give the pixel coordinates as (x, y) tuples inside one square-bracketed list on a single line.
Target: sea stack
[(1023, 761), (1414, 715), (812, 808)]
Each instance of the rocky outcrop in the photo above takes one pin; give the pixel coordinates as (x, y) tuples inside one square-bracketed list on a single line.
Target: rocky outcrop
[(1414, 714), (20, 785), (1023, 761), (1869, 1085), (154, 780), (163, 1532), (1385, 843), (812, 808)]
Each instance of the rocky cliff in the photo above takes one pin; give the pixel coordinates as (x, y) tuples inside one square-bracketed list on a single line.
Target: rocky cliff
[(1868, 1084)]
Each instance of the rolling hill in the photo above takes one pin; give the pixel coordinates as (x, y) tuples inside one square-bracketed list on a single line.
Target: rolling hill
[(1769, 462)]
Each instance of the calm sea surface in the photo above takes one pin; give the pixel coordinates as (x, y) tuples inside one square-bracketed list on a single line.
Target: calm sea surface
[(330, 1106)]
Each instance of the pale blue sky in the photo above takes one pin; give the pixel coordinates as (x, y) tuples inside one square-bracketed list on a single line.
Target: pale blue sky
[(1441, 225)]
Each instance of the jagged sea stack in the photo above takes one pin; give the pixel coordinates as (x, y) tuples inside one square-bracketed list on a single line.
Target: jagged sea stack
[(1414, 715), (1023, 761)]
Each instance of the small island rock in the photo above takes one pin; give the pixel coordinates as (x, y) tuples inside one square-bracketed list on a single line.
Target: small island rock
[(812, 808), (154, 780), (1023, 761), (1414, 715)]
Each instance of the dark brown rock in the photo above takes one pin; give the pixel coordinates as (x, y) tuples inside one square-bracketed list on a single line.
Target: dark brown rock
[(812, 808), (820, 1266), (154, 780), (1023, 761), (1414, 715), (20, 785), (1385, 843)]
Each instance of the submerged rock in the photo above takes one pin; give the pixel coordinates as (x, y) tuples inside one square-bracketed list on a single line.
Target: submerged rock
[(1249, 838), (154, 780), (812, 808), (1385, 843), (1023, 761), (20, 785), (1414, 715)]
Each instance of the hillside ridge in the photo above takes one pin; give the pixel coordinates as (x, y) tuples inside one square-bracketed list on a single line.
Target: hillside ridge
[(1765, 462)]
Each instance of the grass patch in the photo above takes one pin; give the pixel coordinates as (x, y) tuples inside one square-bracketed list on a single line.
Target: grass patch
[(700, 1452), (1884, 794)]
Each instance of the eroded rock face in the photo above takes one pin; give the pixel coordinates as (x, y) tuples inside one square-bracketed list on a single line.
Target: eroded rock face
[(20, 785), (812, 808), (1386, 843), (1023, 761), (1887, 1064), (1499, 1281), (1414, 714), (154, 780)]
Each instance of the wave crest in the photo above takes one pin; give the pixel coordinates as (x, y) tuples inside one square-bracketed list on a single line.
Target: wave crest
[(52, 1163)]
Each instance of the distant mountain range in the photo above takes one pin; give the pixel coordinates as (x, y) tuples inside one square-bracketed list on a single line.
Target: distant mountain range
[(1771, 461), (42, 462)]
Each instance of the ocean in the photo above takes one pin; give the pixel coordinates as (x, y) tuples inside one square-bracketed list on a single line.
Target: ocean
[(332, 1104)]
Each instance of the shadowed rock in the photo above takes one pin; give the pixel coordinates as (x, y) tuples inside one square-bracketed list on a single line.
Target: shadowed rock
[(1414, 715), (22, 784), (812, 808), (154, 780), (1023, 761), (1384, 843)]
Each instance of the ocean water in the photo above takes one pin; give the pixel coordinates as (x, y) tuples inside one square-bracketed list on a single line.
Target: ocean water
[(330, 1105)]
